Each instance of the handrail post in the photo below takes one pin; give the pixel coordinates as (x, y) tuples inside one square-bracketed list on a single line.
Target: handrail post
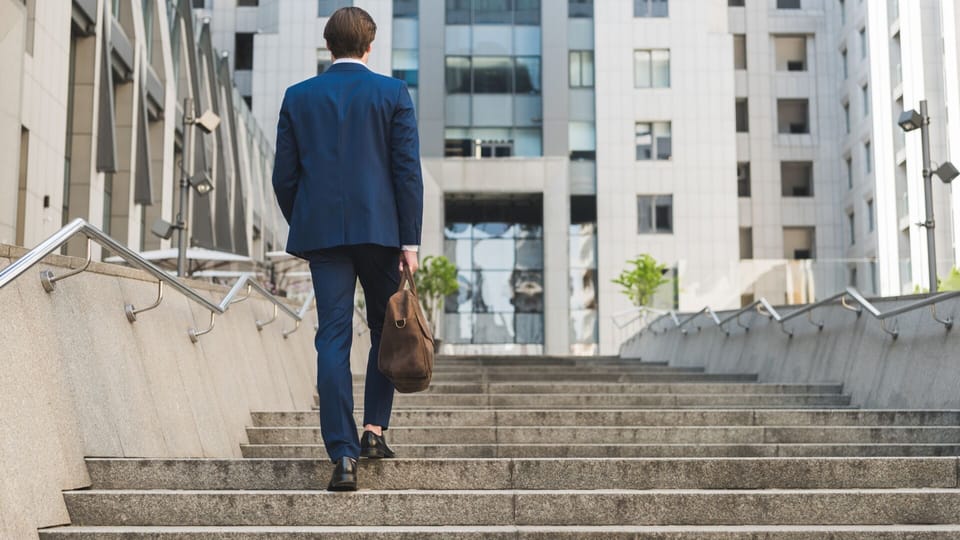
[(132, 312), (195, 334)]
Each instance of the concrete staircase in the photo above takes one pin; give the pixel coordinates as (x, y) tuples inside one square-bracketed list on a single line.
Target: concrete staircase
[(544, 448)]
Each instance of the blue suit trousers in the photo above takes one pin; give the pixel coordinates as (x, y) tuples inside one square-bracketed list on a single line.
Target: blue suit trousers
[(335, 271)]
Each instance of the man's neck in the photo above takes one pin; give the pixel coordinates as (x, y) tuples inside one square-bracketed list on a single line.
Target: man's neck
[(351, 60)]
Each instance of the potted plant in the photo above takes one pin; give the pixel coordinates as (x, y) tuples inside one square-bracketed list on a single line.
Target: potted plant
[(436, 279), (641, 279)]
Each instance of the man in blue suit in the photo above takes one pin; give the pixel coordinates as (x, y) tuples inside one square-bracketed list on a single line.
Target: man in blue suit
[(347, 178)]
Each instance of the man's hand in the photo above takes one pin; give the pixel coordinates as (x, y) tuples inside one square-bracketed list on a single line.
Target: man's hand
[(409, 258)]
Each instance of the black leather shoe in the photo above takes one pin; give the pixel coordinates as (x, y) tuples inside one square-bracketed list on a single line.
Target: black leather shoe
[(344, 476), (374, 446)]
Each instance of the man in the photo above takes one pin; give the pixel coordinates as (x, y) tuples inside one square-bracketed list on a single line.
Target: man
[(347, 178)]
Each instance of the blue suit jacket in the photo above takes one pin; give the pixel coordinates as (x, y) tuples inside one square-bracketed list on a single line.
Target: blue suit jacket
[(347, 167)]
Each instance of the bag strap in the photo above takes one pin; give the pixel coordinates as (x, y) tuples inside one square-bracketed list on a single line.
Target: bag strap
[(407, 277)]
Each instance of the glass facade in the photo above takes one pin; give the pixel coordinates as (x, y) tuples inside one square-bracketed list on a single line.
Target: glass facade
[(582, 237)]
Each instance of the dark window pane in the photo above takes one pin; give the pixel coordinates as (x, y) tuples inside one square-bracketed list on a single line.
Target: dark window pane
[(529, 327), (644, 214), (528, 12), (494, 230), (492, 11), (659, 8), (492, 75), (788, 4), (243, 51), (248, 3), (458, 11), (580, 8), (325, 8), (664, 213), (458, 75), (529, 254), (405, 8), (409, 76), (528, 75), (462, 300)]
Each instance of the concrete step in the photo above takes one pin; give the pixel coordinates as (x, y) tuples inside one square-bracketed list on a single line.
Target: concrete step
[(630, 435), (465, 474), (627, 388), (615, 400), (633, 417), (698, 450), (513, 507), (638, 417), (718, 532), (576, 376)]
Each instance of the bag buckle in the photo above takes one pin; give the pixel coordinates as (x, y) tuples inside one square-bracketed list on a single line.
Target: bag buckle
[(400, 323)]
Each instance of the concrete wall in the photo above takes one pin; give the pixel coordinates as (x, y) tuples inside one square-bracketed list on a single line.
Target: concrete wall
[(78, 380), (921, 369)]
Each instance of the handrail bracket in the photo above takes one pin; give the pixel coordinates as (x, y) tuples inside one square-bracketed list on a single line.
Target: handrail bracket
[(947, 323), (195, 334), (262, 324), (48, 279), (895, 333), (818, 324), (132, 312)]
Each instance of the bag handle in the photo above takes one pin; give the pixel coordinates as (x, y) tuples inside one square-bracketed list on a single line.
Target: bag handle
[(407, 277)]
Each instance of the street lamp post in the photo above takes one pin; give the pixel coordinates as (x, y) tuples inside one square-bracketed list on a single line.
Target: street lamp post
[(208, 121), (909, 121)]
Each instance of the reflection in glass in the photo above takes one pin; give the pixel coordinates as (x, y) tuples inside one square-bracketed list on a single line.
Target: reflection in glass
[(493, 328), (493, 254), (492, 11), (462, 300), (458, 75), (528, 291), (458, 11), (493, 230), (458, 327), (528, 75), (583, 326), (528, 12), (457, 230), (494, 292), (529, 254), (492, 75), (529, 327), (525, 230), (583, 289), (460, 252), (583, 251)]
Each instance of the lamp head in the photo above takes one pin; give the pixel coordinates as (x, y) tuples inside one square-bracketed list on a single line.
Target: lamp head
[(947, 172), (910, 120), (162, 229), (208, 121), (201, 183)]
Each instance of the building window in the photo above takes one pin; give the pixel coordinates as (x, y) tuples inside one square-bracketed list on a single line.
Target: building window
[(846, 116), (873, 277), (405, 9), (650, 8), (867, 157), (743, 118), (651, 68), (506, 12), (843, 60), (493, 75), (739, 51), (325, 8), (198, 4), (843, 12), (577, 9), (796, 178), (735, 3), (248, 3), (743, 179), (849, 172), (799, 243), (655, 214), (746, 243), (583, 141), (871, 222), (406, 66), (865, 95), (791, 53), (852, 227), (792, 116), (788, 4), (324, 60), (653, 141), (243, 51), (863, 43), (581, 69)]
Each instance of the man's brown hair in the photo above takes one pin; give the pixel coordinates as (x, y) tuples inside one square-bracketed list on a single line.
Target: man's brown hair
[(349, 32)]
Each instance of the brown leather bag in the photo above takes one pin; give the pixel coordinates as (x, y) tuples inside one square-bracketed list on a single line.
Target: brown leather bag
[(406, 345)]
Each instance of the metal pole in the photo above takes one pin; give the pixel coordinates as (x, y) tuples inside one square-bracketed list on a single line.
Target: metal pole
[(928, 196), (185, 171)]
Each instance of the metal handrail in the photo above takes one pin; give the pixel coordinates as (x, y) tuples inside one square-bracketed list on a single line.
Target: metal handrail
[(81, 226), (765, 308)]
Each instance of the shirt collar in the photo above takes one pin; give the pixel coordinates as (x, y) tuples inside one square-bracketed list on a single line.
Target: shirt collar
[(349, 61)]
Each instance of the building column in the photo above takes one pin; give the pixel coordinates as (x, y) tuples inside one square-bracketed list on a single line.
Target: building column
[(556, 259), (13, 19)]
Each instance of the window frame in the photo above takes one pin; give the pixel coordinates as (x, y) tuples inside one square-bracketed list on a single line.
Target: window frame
[(654, 225)]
